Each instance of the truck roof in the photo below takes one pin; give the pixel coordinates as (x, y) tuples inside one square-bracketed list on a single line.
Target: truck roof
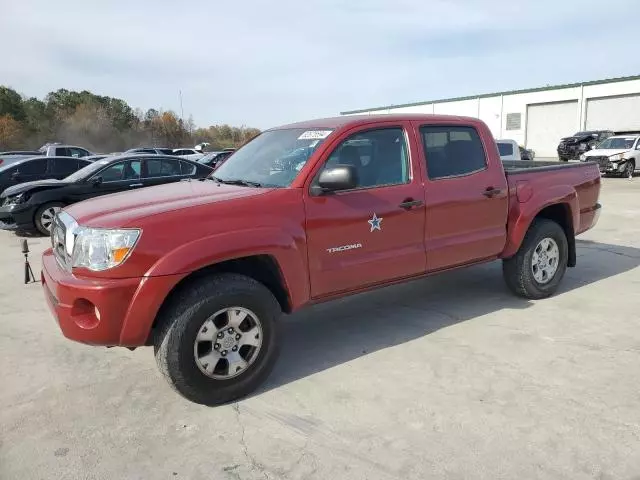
[(355, 120)]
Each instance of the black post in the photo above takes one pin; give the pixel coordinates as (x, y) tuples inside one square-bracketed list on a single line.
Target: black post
[(28, 273)]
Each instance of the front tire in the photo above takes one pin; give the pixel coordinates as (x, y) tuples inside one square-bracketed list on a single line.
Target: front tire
[(629, 169), (536, 270), (218, 339), (44, 216)]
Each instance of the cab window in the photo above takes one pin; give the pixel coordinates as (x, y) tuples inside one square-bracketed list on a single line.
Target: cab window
[(379, 157), (452, 151)]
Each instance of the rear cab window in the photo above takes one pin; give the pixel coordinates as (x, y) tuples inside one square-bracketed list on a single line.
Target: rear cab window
[(505, 149), (452, 151)]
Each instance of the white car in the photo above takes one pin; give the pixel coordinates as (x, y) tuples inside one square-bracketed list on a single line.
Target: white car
[(508, 149), (188, 153), (619, 155)]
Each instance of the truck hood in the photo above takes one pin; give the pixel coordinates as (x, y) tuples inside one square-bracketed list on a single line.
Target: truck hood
[(126, 208), (35, 185), (604, 153)]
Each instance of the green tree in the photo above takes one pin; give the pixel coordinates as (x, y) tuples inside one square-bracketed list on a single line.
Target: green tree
[(11, 104)]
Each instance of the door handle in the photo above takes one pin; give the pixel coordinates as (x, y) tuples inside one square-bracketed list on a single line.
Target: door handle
[(491, 192), (136, 184), (409, 203)]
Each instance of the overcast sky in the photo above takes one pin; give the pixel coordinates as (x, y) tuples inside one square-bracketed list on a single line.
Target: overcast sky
[(263, 63)]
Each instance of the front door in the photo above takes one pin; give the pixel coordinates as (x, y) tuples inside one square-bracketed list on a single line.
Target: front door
[(466, 197), (116, 177), (374, 233)]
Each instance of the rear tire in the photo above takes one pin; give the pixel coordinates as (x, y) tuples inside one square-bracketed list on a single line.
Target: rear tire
[(183, 330), (524, 273), (44, 216)]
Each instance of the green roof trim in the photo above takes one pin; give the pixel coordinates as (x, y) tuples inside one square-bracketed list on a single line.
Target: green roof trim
[(486, 95)]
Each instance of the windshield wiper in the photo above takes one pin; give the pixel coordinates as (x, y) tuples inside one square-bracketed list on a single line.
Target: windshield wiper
[(236, 181)]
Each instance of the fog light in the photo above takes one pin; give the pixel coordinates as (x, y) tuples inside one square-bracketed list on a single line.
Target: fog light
[(85, 314)]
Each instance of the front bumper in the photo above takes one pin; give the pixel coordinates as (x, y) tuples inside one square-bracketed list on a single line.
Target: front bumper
[(607, 166), (570, 151), (99, 311), (17, 217)]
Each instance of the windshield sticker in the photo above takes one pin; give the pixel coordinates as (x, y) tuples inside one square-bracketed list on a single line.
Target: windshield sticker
[(314, 135)]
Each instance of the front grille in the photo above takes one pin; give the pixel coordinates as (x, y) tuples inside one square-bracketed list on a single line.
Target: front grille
[(601, 161), (62, 240)]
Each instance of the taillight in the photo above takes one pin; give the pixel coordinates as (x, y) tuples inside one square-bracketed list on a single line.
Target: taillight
[(1, 160)]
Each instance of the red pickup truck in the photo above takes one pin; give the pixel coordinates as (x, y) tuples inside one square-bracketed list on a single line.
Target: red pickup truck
[(303, 214)]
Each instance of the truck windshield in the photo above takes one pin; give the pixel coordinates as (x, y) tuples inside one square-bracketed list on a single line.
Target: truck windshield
[(273, 158), (613, 143)]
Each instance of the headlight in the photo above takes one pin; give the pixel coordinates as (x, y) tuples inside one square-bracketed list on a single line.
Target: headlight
[(100, 249), (16, 199), (583, 157), (616, 158)]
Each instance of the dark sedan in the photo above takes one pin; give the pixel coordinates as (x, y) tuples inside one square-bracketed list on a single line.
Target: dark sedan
[(40, 168), (215, 159), (32, 206)]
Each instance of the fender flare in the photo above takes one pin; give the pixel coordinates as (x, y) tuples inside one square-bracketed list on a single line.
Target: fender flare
[(526, 213), (288, 252)]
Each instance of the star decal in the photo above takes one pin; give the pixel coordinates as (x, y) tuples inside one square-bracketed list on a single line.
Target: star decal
[(375, 223)]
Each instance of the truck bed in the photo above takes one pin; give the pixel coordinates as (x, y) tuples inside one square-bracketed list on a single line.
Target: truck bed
[(515, 167)]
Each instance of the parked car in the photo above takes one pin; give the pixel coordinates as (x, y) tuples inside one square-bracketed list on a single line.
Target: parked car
[(40, 168), (47, 150), (618, 155), (190, 153), (151, 150), (215, 159), (570, 148), (355, 215), (527, 153), (31, 206), (508, 149), (93, 158)]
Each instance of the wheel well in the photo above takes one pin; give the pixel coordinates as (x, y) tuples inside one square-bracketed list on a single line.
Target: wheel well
[(561, 214), (262, 268)]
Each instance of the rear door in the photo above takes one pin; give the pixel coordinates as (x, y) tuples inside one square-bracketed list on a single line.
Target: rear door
[(466, 196), (375, 232), (60, 168), (78, 152), (31, 170), (158, 171)]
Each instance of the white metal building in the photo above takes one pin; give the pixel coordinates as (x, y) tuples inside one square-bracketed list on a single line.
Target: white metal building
[(538, 117)]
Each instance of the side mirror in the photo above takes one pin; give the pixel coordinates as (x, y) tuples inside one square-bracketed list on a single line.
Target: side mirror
[(340, 177), (95, 181)]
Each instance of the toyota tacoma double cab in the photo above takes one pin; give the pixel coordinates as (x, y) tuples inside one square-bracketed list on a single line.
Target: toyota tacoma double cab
[(305, 213)]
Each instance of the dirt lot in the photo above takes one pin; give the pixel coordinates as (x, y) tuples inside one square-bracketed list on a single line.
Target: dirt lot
[(449, 377)]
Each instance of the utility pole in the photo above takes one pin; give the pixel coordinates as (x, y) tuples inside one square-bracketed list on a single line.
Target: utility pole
[(181, 109)]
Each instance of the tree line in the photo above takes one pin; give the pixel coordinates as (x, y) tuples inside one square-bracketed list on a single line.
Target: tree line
[(102, 124)]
